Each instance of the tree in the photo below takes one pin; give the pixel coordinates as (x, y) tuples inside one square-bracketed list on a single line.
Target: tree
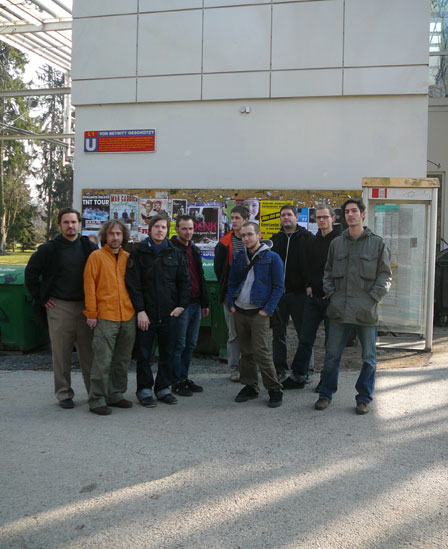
[(15, 157), (56, 187), (23, 231)]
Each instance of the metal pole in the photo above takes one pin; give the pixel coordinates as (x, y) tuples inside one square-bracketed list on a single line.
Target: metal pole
[(431, 270)]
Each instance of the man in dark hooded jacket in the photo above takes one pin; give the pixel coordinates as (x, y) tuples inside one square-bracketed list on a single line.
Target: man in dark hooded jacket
[(290, 244), (159, 286)]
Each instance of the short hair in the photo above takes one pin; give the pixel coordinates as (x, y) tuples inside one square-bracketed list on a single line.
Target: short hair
[(242, 210), (289, 207), (323, 206), (68, 211), (159, 217), (107, 226), (158, 202), (256, 226), (183, 217), (358, 201)]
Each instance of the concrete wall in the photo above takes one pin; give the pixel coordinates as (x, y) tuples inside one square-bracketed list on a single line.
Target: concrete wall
[(336, 90)]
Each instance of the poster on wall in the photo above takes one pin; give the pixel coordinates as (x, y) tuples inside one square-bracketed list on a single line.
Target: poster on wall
[(95, 211), (302, 217), (125, 208), (206, 224), (270, 216)]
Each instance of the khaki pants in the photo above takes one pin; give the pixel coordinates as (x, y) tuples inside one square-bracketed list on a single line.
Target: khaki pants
[(253, 334), (68, 327), (112, 349)]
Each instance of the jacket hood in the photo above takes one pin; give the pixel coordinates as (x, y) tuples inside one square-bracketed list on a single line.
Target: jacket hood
[(337, 230), (299, 230), (144, 245), (367, 232)]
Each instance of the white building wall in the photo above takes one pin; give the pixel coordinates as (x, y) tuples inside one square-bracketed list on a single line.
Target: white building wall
[(336, 90)]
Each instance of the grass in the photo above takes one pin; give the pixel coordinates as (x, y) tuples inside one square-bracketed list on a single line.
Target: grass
[(17, 258)]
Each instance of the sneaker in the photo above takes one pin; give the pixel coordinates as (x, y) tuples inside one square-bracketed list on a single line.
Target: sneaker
[(193, 387), (181, 388), (246, 393), (67, 403), (275, 399), (362, 408), (101, 411), (281, 376), (168, 399), (123, 403), (318, 387), (148, 402), (235, 375), (321, 403), (290, 383), (308, 378)]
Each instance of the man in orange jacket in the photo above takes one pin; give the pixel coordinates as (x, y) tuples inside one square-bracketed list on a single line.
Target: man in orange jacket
[(110, 314)]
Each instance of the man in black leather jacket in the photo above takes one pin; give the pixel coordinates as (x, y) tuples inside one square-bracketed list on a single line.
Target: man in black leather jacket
[(159, 286)]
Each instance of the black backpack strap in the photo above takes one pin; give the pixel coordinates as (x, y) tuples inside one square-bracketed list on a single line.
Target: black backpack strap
[(250, 265)]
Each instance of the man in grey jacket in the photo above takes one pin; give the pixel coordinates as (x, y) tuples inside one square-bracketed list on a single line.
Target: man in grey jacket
[(357, 276)]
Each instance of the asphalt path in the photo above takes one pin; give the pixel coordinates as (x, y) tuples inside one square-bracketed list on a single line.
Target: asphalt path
[(211, 473)]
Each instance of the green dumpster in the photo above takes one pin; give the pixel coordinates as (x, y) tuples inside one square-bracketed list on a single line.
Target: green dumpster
[(213, 333), (18, 329)]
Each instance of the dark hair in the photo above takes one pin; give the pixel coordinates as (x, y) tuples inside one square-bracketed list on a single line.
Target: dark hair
[(242, 210), (289, 207), (107, 226), (68, 211), (323, 206), (159, 217), (183, 217), (256, 226), (358, 201)]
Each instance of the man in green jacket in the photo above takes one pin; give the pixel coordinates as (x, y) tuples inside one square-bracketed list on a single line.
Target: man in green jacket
[(357, 276)]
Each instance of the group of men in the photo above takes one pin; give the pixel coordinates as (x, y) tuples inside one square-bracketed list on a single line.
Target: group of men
[(102, 300), (331, 277)]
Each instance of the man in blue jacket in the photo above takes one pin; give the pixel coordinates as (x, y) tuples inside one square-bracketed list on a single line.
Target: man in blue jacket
[(255, 288)]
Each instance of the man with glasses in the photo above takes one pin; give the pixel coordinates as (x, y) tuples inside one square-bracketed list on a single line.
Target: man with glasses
[(255, 287), (314, 310)]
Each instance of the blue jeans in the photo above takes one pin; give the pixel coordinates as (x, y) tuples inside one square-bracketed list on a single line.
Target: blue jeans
[(185, 340), (314, 311), (290, 305), (337, 338)]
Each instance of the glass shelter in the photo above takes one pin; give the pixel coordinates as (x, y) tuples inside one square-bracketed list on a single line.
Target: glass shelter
[(404, 213)]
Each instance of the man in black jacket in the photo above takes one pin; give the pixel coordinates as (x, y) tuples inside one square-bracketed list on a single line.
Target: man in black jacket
[(188, 323), (316, 303), (54, 278), (159, 286), (290, 244)]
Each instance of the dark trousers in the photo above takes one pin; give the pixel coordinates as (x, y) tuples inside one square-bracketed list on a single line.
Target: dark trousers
[(290, 305), (314, 312), (163, 329)]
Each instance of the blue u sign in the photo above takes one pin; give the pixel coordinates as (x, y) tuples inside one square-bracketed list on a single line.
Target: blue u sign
[(90, 144)]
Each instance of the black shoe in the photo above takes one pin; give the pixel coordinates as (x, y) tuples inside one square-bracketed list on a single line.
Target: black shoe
[(101, 411), (168, 399), (318, 387), (148, 402), (67, 403), (181, 389), (123, 403), (246, 393), (290, 383), (275, 399), (193, 387)]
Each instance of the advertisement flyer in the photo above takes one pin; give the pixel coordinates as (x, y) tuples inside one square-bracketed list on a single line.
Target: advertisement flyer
[(125, 208), (148, 208), (95, 211), (270, 216), (206, 224)]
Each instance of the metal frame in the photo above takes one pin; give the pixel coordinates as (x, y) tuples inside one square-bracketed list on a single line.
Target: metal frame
[(41, 27)]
